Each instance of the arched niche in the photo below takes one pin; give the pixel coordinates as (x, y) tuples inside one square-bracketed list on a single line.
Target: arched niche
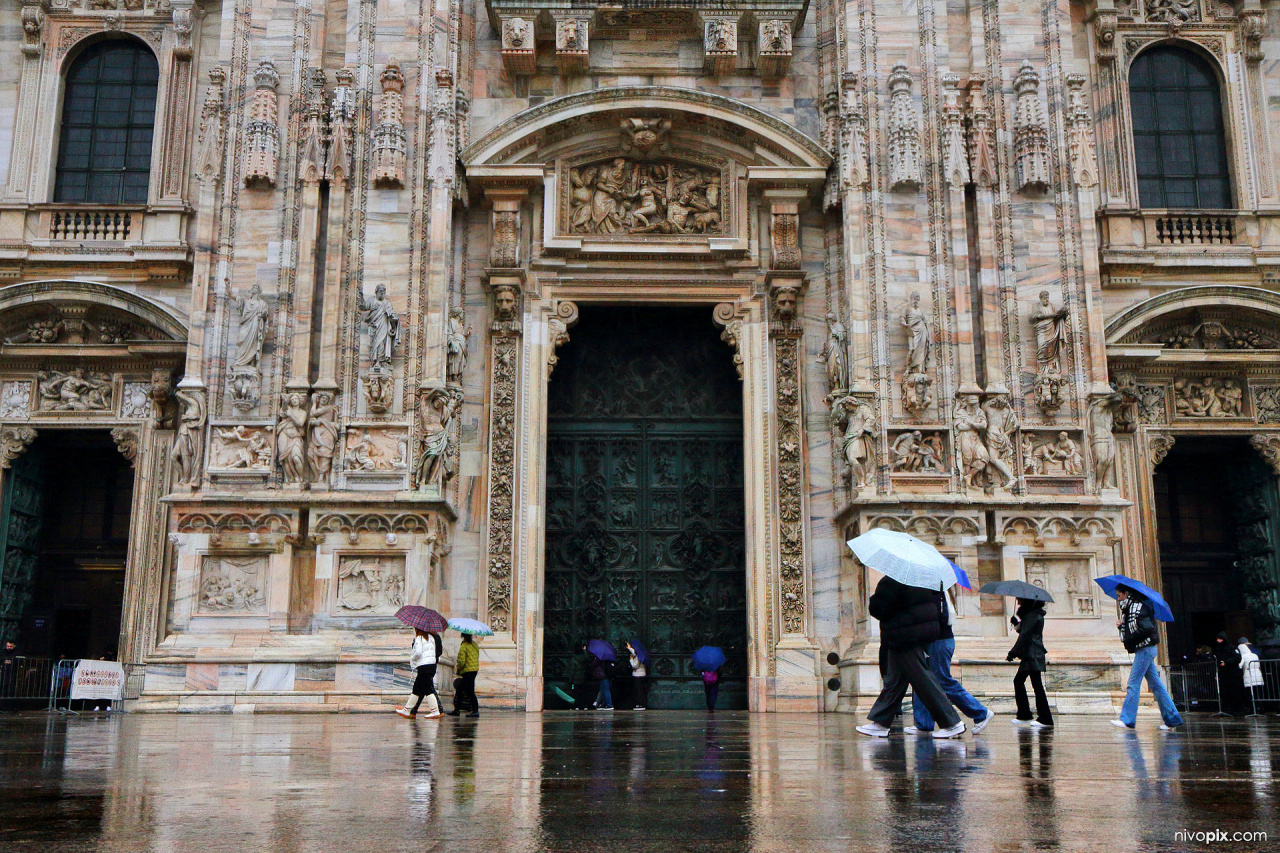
[(1212, 317), (80, 312)]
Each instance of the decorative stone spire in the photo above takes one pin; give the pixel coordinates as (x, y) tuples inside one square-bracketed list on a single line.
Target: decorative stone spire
[(388, 135), (342, 111), (1030, 138), (955, 159), (263, 133), (315, 115), (904, 132), (209, 154), (982, 155)]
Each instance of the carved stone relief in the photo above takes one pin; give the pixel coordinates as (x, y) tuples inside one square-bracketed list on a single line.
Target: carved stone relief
[(233, 584), (15, 400), (504, 368), (1068, 579), (1266, 402), (1212, 334), (629, 196), (74, 391), (918, 452), (240, 447), (1210, 397), (370, 585), (434, 468), (14, 441), (127, 441), (1030, 136), (978, 468), (375, 449), (262, 133), (904, 132), (389, 135), (916, 378), (1175, 13), (790, 484), (188, 445), (1052, 454)]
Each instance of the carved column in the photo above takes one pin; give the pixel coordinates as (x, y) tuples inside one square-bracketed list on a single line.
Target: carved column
[(209, 157), (175, 135), (311, 167), (338, 168), (956, 175), (506, 330), (982, 169), (34, 32)]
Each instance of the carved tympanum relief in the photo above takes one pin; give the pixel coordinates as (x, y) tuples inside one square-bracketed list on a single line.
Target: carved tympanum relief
[(233, 584), (370, 585), (1209, 397), (629, 196), (74, 391)]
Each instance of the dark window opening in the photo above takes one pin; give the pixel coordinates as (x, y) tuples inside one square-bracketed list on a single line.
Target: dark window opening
[(1179, 137), (108, 119)]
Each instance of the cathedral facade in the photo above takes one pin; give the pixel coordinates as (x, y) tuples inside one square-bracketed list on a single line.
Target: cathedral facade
[(613, 320)]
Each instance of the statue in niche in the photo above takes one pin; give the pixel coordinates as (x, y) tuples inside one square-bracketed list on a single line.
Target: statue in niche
[(290, 440), (915, 378), (835, 355), (1002, 426), (858, 420), (456, 340), (187, 445), (253, 328), (384, 326), (971, 449), (436, 412), (322, 436), (1050, 324)]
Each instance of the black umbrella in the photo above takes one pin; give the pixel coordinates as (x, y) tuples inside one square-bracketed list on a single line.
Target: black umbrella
[(1016, 589)]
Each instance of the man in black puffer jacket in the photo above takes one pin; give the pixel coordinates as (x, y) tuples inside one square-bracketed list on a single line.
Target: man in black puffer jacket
[(910, 619)]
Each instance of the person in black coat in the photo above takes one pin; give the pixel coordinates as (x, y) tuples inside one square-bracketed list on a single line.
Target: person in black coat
[(1029, 649), (582, 683), (910, 619), (1230, 677)]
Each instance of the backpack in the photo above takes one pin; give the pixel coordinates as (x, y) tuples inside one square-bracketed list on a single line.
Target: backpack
[(710, 677)]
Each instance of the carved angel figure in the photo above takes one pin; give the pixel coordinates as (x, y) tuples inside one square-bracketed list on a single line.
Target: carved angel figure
[(322, 435)]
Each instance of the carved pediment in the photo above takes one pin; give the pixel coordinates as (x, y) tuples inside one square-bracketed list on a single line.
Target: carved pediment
[(78, 325), (624, 196), (1225, 328)]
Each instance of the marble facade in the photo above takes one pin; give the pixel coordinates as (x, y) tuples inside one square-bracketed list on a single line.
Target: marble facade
[(325, 341)]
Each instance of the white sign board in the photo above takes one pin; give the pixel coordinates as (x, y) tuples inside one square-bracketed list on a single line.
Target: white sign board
[(97, 679)]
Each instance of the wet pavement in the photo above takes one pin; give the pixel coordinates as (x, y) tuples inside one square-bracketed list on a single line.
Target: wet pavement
[(628, 781)]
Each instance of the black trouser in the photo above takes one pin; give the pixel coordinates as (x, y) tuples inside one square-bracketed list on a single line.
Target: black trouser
[(584, 693), (424, 685), (640, 684), (1043, 714), (464, 694), (909, 668), (712, 690)]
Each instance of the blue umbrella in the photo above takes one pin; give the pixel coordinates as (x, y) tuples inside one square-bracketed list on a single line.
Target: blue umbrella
[(1110, 582), (602, 650), (961, 577), (642, 654), (708, 658)]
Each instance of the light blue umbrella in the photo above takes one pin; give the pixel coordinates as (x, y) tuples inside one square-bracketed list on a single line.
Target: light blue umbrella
[(474, 627), (904, 558), (1110, 582)]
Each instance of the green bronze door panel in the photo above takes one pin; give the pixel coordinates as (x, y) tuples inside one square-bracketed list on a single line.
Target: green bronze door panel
[(644, 518), (20, 521)]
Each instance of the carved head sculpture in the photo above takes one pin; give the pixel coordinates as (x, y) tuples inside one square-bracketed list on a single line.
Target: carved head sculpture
[(504, 303), (784, 301), (1044, 298), (381, 292), (294, 400), (324, 398), (1062, 436), (915, 300), (998, 401)]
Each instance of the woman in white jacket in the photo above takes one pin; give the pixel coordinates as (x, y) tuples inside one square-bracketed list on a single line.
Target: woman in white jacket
[(1250, 667), (423, 657)]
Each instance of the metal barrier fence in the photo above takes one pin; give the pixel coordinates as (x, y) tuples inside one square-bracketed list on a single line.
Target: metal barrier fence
[(25, 678), (1196, 687), (60, 688)]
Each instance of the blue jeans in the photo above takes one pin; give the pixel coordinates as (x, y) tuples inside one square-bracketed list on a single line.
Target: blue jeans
[(606, 695), (940, 654), (1144, 664)]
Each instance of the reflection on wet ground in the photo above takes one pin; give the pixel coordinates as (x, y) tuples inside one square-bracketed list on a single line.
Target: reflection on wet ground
[(657, 781)]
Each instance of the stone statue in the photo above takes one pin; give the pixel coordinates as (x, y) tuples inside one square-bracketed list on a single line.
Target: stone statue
[(858, 445), (384, 326), (835, 355), (906, 452), (1102, 412), (74, 391), (436, 412), (919, 339), (504, 303), (189, 442), (971, 449), (322, 436), (456, 340), (253, 328), (1050, 324), (290, 439), (1002, 426)]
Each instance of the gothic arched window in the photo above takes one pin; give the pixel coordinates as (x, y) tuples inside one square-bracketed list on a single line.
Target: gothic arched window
[(1179, 137), (108, 117)]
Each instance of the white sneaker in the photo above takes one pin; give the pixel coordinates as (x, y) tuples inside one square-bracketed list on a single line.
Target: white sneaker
[(1121, 724), (873, 730), (1018, 722), (1036, 724), (982, 724), (434, 715), (1167, 728), (913, 730), (954, 731)]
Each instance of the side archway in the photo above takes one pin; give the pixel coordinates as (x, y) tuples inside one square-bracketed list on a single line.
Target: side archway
[(114, 315)]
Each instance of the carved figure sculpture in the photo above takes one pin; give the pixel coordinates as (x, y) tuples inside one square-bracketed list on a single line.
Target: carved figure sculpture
[(971, 450), (249, 448), (456, 340), (1050, 324), (253, 328), (75, 391), (291, 430), (644, 197), (1102, 412), (858, 420), (189, 442), (1209, 398), (322, 436), (1002, 426), (436, 412), (384, 325), (646, 136), (915, 378), (835, 355), (906, 452)]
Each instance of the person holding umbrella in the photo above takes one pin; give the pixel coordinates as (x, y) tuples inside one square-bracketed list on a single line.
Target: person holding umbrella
[(423, 655), (467, 665), (1030, 652), (1137, 624), (708, 660), (940, 652), (638, 656), (601, 654), (583, 687), (908, 604)]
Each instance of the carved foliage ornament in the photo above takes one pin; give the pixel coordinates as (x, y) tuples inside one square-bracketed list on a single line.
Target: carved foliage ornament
[(790, 484), (14, 441), (33, 18), (262, 134), (502, 417), (904, 132), (1268, 446), (629, 196), (726, 316)]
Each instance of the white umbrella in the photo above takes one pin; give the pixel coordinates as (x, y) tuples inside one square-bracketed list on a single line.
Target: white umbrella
[(904, 558)]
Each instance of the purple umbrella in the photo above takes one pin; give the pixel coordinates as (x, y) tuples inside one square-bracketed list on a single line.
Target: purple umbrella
[(642, 654), (423, 618), (602, 650)]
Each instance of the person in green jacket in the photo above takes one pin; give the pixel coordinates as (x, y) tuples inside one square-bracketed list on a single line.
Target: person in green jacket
[(468, 666)]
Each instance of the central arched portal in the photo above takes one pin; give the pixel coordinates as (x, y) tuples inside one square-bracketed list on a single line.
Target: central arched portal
[(645, 520)]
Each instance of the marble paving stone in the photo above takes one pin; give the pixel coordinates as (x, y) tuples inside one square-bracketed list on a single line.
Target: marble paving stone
[(622, 782)]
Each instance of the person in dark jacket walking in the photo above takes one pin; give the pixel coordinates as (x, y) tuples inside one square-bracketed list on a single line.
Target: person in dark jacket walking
[(940, 653), (583, 687), (1230, 676), (1029, 649), (1137, 624), (909, 621)]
